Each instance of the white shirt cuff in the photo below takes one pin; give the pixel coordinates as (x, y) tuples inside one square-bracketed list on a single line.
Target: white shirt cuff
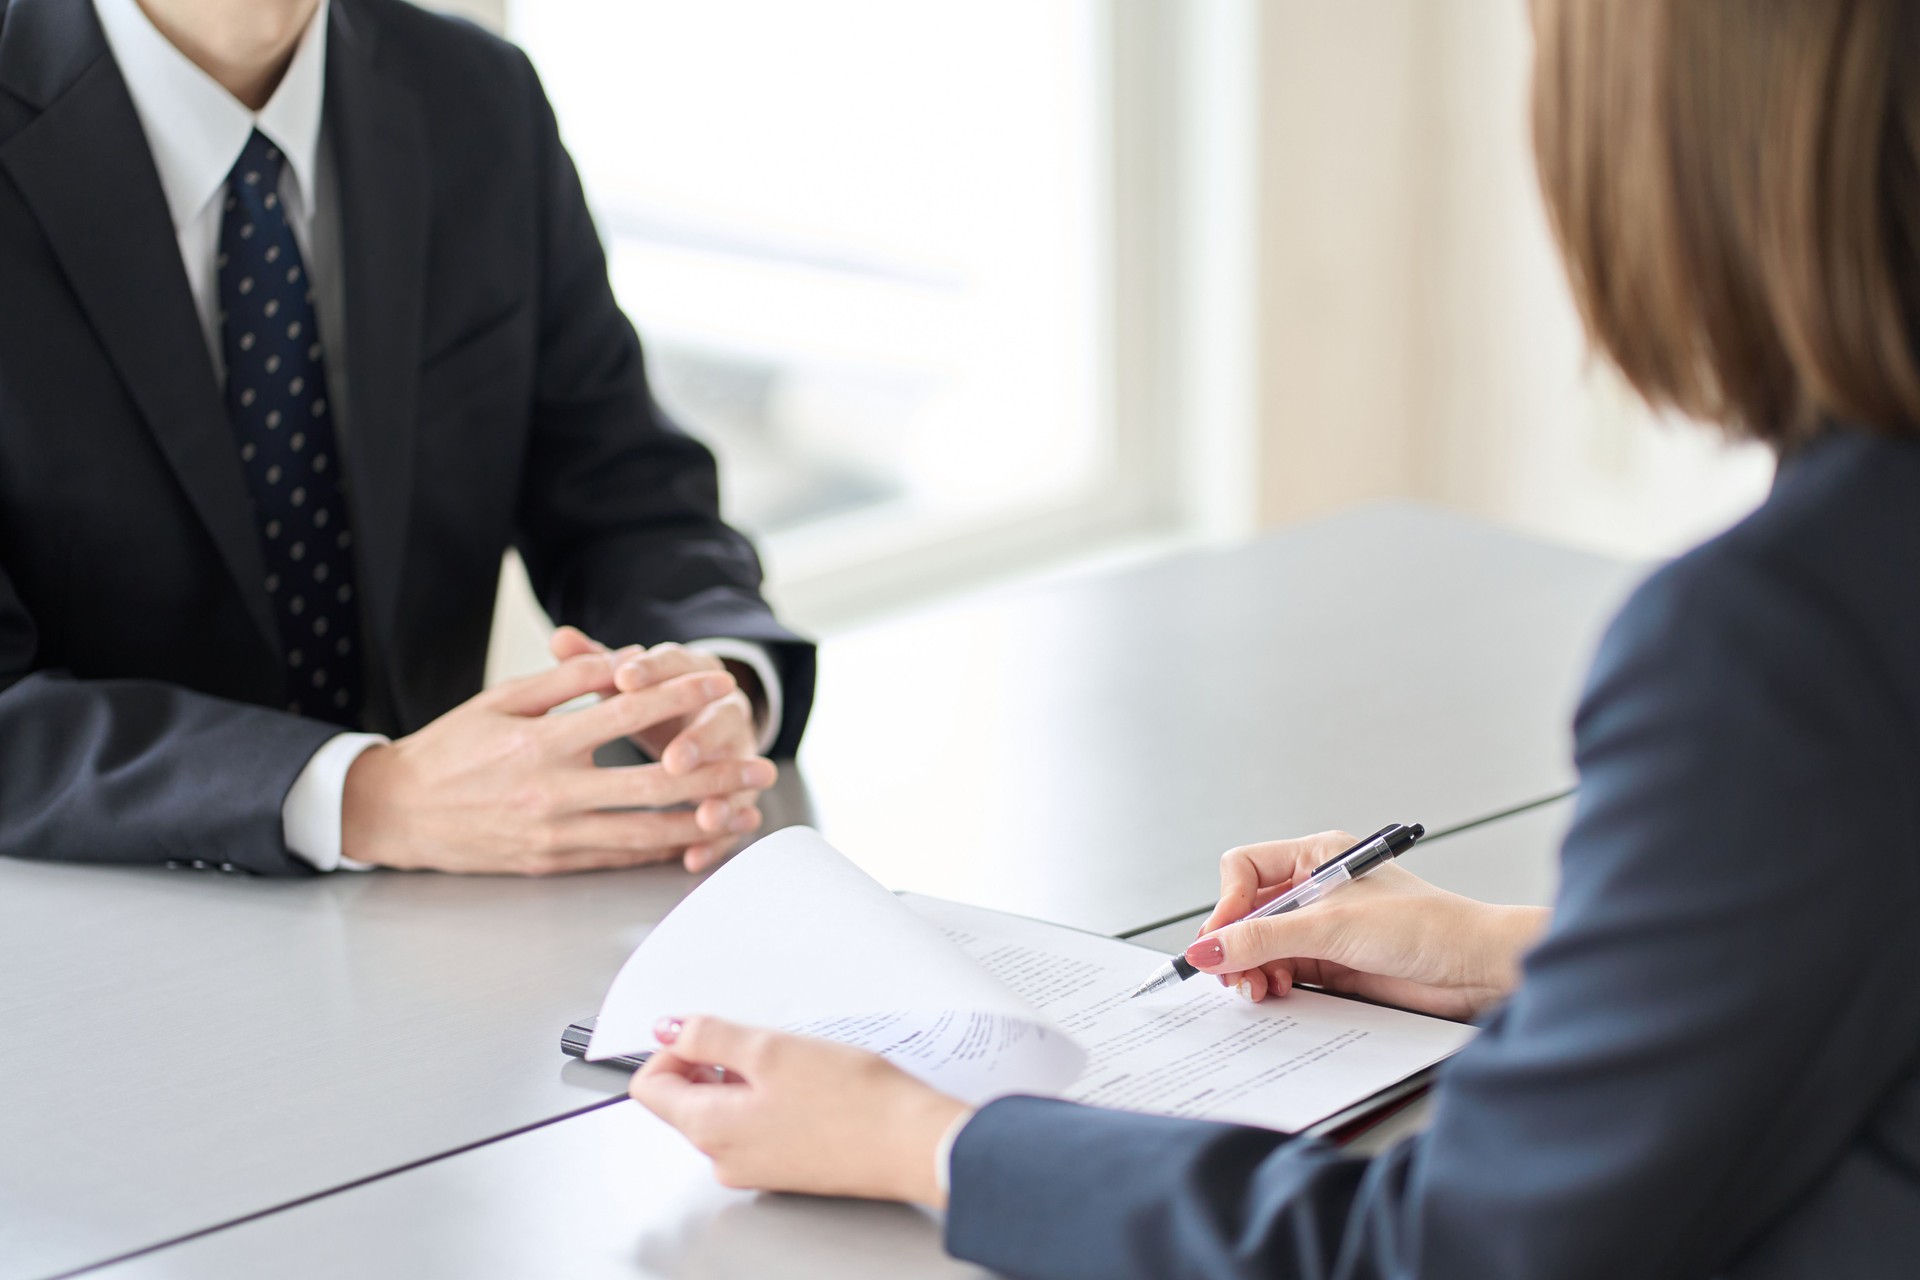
[(310, 816), (943, 1153), (766, 716)]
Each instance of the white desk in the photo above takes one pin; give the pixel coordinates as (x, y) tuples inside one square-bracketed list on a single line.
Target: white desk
[(615, 1195), (179, 1050), (1084, 753), (610, 1193)]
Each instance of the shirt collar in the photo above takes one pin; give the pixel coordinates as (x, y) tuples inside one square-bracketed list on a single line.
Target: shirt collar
[(195, 128)]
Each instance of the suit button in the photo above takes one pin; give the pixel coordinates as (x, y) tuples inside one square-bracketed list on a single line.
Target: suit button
[(173, 864), (230, 869), (199, 864)]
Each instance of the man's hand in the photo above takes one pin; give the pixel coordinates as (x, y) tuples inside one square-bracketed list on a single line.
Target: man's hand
[(723, 729), (792, 1113), (497, 785), (1390, 937)]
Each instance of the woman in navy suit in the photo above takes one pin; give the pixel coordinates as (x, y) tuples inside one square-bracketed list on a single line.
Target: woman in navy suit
[(1707, 1062)]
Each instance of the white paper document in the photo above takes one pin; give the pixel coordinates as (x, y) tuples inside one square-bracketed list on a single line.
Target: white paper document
[(981, 1004)]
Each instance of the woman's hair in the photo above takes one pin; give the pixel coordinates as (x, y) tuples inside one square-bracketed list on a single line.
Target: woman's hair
[(1735, 187)]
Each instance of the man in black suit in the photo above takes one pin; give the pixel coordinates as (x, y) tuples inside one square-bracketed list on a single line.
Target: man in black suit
[(305, 323)]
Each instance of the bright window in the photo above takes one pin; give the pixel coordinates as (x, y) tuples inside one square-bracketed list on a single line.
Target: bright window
[(865, 244)]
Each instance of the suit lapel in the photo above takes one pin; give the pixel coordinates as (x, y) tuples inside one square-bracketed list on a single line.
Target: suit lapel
[(84, 169), (380, 149)]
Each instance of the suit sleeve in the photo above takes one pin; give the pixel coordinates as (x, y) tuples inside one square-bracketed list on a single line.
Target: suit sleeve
[(620, 521), (1723, 998), (137, 770)]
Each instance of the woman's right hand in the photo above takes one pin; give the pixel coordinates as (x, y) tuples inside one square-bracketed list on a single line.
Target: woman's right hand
[(1389, 936)]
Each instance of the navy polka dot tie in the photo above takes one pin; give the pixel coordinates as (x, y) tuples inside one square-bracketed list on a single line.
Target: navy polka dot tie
[(277, 403)]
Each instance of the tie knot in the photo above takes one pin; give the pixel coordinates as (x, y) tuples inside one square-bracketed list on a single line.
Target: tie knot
[(258, 166)]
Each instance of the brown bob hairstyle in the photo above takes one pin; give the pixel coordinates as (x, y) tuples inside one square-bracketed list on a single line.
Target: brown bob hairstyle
[(1735, 187)]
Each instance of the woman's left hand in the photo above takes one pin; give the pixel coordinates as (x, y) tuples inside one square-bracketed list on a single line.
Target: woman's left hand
[(793, 1113)]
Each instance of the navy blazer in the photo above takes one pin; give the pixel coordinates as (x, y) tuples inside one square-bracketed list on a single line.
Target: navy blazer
[(1712, 1065), (497, 398)]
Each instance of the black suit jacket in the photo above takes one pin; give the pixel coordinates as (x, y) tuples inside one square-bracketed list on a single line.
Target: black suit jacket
[(1712, 1067), (497, 397)]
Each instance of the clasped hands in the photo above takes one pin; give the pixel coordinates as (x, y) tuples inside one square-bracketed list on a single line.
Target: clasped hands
[(497, 785), (792, 1113)]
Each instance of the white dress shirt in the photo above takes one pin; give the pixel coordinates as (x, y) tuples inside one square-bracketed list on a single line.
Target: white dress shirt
[(196, 131)]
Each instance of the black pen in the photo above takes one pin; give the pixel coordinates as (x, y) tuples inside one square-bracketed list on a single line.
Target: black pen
[(1378, 849)]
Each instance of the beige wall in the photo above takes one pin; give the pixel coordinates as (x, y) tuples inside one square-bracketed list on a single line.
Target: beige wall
[(491, 14), (1417, 337), (1340, 258)]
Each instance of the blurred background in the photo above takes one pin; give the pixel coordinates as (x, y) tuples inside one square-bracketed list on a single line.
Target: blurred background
[(968, 293)]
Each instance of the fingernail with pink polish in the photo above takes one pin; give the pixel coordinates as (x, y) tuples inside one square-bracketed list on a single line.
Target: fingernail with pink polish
[(1206, 953), (667, 1030)]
